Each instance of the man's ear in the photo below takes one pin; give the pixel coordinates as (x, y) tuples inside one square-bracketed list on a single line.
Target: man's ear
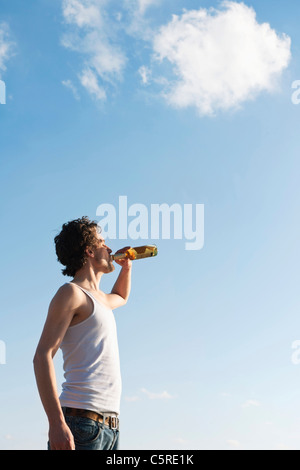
[(89, 252)]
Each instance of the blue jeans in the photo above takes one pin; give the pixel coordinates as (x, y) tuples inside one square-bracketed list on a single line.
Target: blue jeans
[(90, 435)]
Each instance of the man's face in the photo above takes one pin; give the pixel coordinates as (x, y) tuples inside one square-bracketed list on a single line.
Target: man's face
[(102, 255)]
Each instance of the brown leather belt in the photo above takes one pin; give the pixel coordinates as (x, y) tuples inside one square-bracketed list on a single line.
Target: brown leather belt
[(111, 421)]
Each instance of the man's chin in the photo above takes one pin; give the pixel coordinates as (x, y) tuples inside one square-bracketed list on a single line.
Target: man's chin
[(107, 266), (111, 267)]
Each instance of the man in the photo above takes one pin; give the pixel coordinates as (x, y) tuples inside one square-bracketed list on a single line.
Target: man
[(80, 322)]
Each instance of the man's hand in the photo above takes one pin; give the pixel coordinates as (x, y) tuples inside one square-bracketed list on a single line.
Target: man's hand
[(126, 262), (61, 438)]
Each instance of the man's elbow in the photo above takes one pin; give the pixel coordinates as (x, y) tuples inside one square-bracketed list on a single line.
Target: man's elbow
[(37, 358), (40, 357), (123, 300)]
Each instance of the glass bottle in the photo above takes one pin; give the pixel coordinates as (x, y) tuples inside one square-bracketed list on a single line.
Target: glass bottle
[(137, 252)]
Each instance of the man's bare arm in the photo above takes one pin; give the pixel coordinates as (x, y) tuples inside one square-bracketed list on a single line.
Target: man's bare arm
[(121, 289), (61, 311)]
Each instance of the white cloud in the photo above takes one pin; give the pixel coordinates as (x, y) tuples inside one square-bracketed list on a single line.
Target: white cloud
[(90, 33), (233, 443), (143, 5), (157, 396), (6, 46), (139, 7), (72, 87), (82, 12), (249, 403), (220, 58), (89, 80), (145, 74), (211, 59), (138, 21), (180, 440)]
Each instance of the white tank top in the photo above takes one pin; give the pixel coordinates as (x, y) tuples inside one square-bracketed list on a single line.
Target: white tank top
[(91, 362)]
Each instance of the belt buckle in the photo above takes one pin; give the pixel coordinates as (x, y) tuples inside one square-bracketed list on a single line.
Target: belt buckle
[(113, 422)]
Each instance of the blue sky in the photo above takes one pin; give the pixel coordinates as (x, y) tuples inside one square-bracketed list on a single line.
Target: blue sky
[(97, 106)]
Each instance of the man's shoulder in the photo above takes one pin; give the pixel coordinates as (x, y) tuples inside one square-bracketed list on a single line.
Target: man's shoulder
[(68, 293), (66, 289)]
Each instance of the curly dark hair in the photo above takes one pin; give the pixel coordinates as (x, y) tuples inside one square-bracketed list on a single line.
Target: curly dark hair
[(72, 241)]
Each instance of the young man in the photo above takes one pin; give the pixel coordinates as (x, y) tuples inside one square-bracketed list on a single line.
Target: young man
[(80, 321)]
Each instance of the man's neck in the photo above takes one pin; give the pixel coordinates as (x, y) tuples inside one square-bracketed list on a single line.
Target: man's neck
[(87, 278)]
